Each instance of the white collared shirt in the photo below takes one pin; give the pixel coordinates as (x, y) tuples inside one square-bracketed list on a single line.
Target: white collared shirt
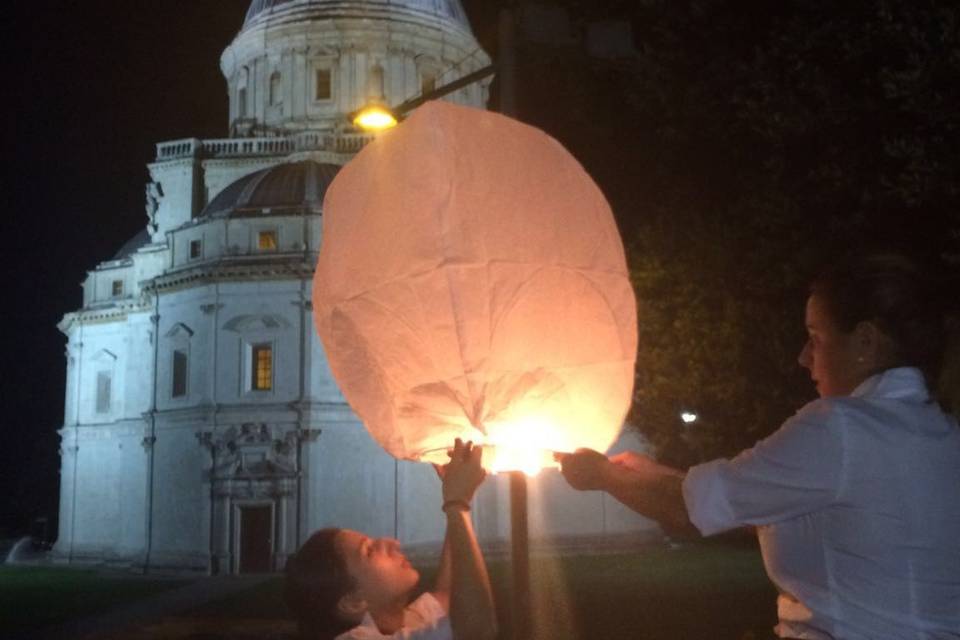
[(857, 504), (424, 619)]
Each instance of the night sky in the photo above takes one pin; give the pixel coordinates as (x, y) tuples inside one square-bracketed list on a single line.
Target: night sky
[(92, 87)]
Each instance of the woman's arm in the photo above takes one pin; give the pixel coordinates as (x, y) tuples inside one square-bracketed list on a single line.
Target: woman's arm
[(649, 488), (441, 589), (472, 613)]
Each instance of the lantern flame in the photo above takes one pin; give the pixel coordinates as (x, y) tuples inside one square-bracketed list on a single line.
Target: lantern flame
[(529, 461), (526, 445), (521, 445)]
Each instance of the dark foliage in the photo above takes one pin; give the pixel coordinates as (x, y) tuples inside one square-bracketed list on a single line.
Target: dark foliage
[(745, 146)]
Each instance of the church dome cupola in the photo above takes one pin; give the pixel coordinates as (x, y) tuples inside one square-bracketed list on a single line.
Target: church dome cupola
[(448, 12), (301, 65)]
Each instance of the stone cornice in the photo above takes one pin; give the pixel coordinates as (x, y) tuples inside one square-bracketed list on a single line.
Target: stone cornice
[(103, 315), (234, 270)]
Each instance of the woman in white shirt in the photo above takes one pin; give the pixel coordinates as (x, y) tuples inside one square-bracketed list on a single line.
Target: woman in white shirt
[(856, 498), (345, 585)]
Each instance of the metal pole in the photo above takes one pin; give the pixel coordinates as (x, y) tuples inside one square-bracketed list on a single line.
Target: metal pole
[(519, 532), (520, 556)]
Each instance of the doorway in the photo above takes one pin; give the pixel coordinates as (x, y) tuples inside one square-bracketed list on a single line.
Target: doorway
[(256, 539)]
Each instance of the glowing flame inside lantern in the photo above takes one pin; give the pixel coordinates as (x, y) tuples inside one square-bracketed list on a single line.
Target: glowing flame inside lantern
[(527, 445), (520, 447), (509, 457)]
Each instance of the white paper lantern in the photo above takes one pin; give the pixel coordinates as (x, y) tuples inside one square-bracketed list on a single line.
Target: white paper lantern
[(472, 284)]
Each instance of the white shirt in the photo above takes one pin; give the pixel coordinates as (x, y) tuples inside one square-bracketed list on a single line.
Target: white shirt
[(423, 619), (857, 503)]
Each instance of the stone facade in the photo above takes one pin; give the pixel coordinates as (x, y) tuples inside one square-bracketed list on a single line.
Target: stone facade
[(175, 454)]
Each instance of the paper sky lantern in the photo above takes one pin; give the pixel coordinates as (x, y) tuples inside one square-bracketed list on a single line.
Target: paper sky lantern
[(472, 284)]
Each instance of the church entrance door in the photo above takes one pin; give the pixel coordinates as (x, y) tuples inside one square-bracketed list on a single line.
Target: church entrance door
[(256, 539)]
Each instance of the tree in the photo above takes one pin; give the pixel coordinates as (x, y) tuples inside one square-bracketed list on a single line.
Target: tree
[(753, 141)]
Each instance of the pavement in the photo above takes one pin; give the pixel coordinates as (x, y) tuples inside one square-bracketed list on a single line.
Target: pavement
[(153, 609)]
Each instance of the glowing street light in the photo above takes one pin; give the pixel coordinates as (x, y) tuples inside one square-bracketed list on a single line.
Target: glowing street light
[(376, 116), (689, 417)]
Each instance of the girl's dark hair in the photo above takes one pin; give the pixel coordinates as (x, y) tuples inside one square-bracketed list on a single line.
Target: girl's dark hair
[(316, 578), (899, 297)]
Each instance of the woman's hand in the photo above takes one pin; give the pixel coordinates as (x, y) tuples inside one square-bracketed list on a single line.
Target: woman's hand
[(463, 474), (585, 469), (642, 464)]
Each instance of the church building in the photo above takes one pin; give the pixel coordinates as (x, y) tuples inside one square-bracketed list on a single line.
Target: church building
[(203, 430)]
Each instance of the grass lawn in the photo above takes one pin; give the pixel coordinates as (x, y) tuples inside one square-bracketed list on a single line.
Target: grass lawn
[(715, 591), (35, 597)]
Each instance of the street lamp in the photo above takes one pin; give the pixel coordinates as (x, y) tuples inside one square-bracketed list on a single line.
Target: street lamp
[(375, 116)]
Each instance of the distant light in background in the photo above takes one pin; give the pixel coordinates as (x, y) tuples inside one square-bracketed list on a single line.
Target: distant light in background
[(689, 417)]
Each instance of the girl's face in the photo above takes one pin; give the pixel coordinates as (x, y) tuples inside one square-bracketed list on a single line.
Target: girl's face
[(834, 357), (383, 574)]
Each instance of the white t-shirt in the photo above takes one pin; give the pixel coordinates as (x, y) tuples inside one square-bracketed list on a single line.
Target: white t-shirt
[(857, 504), (423, 619)]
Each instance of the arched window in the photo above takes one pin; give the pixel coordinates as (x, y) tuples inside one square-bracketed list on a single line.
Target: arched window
[(276, 89), (375, 83), (242, 93), (322, 84), (179, 340), (428, 83), (105, 364)]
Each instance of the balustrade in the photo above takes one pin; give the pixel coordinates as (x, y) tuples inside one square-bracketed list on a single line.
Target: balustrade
[(252, 147)]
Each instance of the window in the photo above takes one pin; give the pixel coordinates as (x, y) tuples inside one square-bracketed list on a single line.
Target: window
[(242, 93), (117, 288), (276, 88), (323, 85), (242, 103), (428, 83), (261, 367), (103, 391), (196, 249), (267, 241), (179, 373)]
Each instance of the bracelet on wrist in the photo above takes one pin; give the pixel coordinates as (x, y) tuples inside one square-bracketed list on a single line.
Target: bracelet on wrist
[(462, 505)]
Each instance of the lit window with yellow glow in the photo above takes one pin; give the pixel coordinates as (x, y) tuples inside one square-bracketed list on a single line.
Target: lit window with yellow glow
[(267, 241), (262, 369)]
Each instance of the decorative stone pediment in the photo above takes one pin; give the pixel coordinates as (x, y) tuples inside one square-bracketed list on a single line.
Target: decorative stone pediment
[(256, 323), (180, 331), (254, 451), (105, 356)]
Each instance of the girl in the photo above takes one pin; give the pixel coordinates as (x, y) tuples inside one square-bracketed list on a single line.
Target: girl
[(345, 585)]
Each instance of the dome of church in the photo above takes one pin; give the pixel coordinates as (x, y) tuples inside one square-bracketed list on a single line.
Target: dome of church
[(283, 11), (294, 187)]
